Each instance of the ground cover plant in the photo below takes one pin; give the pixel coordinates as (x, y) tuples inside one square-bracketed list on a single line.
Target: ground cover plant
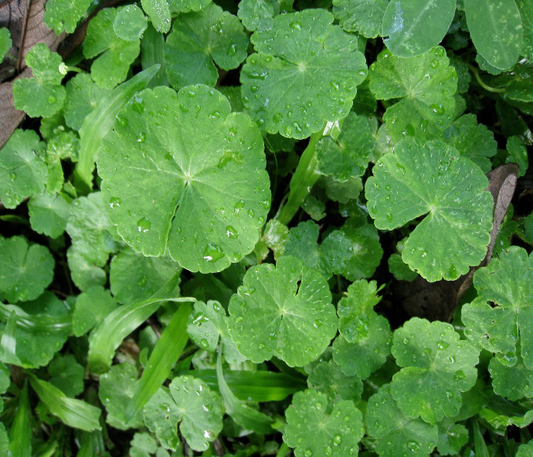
[(269, 228)]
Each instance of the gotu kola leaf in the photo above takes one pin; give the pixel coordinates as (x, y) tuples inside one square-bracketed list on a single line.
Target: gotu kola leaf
[(431, 354), (194, 404), (43, 95), (433, 179), (425, 84), (305, 72), (191, 180), (23, 171), (500, 318), (284, 311), (312, 431), (198, 41)]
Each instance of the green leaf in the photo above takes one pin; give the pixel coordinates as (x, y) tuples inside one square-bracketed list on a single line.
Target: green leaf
[(526, 13), (452, 438), (431, 354), (200, 40), (164, 356), (305, 73), (89, 228), (83, 95), (365, 338), (356, 309), (200, 409), (474, 141), (312, 431), (115, 392), (242, 414), (283, 311), (121, 322), (353, 251), (134, 277), (5, 42), (362, 16), (433, 179), (64, 15), (348, 155), (49, 214), (21, 431), (500, 317), (102, 118), (92, 306), (496, 29), (159, 13), (258, 15), (198, 199), (74, 413), (23, 172), (425, 84), (396, 434), (399, 269), (161, 416), (25, 270), (327, 377), (36, 330), (114, 54), (525, 450), (513, 383), (414, 27), (207, 325), (42, 95), (517, 154), (130, 23), (67, 375)]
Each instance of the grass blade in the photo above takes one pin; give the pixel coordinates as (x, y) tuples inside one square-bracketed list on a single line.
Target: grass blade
[(121, 322), (164, 356), (241, 413), (102, 119), (20, 433), (74, 413)]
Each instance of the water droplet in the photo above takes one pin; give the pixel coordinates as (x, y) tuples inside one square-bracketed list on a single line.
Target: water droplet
[(295, 25), (143, 225), (213, 253), (442, 345), (141, 137), (232, 50), (51, 100), (231, 232)]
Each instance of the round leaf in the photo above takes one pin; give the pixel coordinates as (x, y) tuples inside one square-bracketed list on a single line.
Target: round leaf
[(23, 172), (305, 73), (198, 41), (284, 311), (130, 23), (191, 178), (312, 431), (432, 355), (496, 30), (201, 411), (362, 16), (414, 27), (433, 179), (502, 315), (394, 433), (25, 270)]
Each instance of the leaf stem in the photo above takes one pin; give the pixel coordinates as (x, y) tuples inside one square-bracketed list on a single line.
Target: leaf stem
[(302, 181), (482, 84), (283, 449)]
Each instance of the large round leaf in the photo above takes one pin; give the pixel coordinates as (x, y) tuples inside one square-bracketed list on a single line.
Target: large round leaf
[(284, 311), (433, 179), (305, 73), (182, 173)]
